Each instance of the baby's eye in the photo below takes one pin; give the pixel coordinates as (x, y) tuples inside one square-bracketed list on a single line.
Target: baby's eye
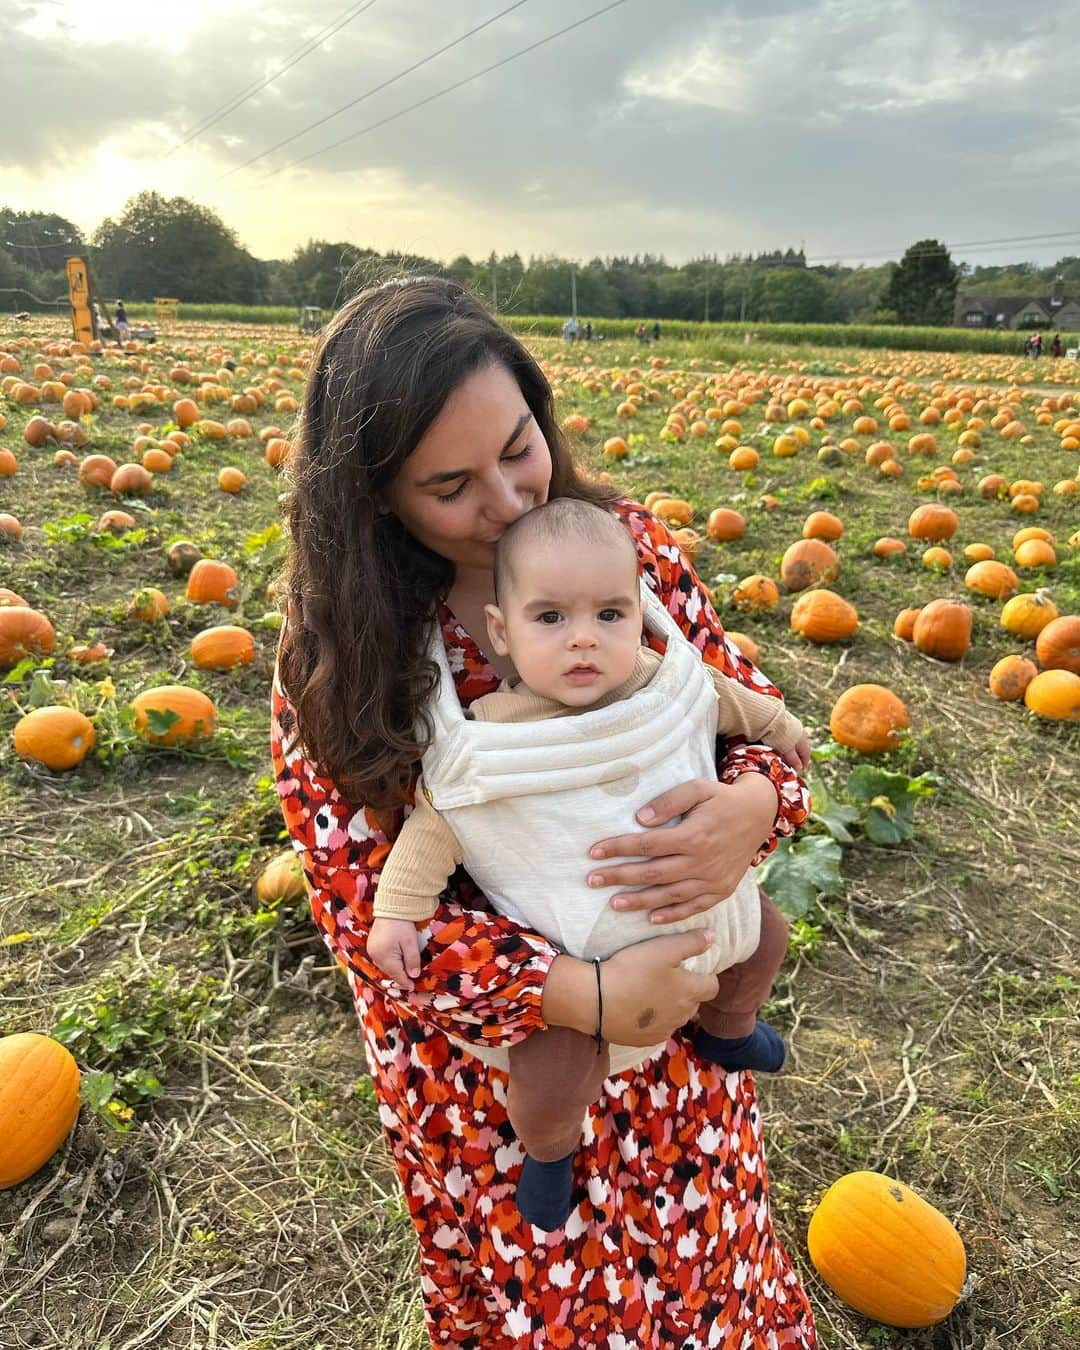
[(549, 616), (611, 615)]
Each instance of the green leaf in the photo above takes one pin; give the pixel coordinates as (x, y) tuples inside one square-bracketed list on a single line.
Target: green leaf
[(834, 815), (160, 720), (97, 1089), (796, 873), (890, 799)]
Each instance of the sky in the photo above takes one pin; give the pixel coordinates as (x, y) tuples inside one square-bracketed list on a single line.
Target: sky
[(688, 127)]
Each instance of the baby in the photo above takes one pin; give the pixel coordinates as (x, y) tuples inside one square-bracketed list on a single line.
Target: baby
[(569, 613)]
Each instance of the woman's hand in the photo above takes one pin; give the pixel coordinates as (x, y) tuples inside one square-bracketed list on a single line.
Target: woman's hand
[(697, 863), (647, 994)]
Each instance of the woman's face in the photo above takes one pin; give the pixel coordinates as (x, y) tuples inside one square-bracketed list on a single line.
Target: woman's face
[(482, 463)]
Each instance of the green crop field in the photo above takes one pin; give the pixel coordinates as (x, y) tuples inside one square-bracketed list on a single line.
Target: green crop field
[(226, 1183)]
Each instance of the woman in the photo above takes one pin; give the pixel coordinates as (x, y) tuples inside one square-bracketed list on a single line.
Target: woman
[(427, 429)]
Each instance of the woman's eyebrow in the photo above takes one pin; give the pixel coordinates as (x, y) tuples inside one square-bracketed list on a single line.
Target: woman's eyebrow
[(448, 475)]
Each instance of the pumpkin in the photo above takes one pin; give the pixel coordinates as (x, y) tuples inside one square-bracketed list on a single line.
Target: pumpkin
[(39, 1101), (1035, 553), (975, 553), (131, 480), (97, 471), (231, 479), (115, 522), (173, 714), (1011, 676), (281, 881), (10, 597), (869, 718), (933, 523), (943, 629), (222, 647), (822, 525), (824, 616), (991, 578), (10, 526), (1027, 615), (1055, 695), (57, 737), (212, 583), (673, 511), (724, 524), (887, 547), (85, 654), (181, 556), (744, 458), (746, 645), (756, 592), (886, 1252), (808, 562), (689, 541), (904, 623), (1057, 646), (148, 605), (23, 632), (1027, 532), (937, 558)]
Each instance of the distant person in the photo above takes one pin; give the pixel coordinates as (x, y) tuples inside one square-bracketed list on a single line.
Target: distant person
[(120, 322), (656, 331), (1028, 345), (1036, 346), (588, 331), (1055, 346), (570, 329), (640, 333)]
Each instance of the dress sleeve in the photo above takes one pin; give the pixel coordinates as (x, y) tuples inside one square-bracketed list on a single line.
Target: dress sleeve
[(482, 978), (676, 583)]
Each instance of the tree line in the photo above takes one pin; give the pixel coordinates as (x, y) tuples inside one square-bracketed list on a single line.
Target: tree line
[(171, 246)]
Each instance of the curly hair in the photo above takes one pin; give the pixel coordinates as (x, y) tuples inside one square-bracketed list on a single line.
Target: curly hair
[(360, 590)]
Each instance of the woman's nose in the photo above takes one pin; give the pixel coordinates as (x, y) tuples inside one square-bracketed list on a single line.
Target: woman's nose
[(504, 505)]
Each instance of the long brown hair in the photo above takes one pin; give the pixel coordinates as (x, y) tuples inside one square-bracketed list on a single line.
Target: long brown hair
[(361, 591)]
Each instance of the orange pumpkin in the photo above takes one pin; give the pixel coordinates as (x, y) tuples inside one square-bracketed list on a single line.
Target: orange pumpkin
[(281, 881), (1057, 646), (724, 524), (131, 480), (756, 592), (886, 1252), (822, 525), (96, 471), (1027, 615), (23, 632), (148, 605), (1011, 676), (887, 547), (231, 479), (823, 616), (933, 523), (1055, 695), (904, 623), (808, 562), (58, 737), (991, 578), (212, 583), (222, 647), (869, 718), (943, 629), (173, 714), (746, 645), (1035, 553), (39, 1102)]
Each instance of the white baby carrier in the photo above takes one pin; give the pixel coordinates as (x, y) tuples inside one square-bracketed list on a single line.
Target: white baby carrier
[(527, 800)]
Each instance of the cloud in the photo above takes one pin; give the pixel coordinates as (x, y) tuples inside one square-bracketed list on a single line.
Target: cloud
[(743, 125)]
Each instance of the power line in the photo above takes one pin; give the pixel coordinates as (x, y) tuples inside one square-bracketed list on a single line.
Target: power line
[(224, 109), (377, 89), (448, 90), (963, 243)]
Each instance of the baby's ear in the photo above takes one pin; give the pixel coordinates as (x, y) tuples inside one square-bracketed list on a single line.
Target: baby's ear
[(496, 626)]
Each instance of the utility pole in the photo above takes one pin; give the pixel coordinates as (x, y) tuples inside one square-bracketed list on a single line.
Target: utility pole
[(494, 282), (707, 275), (573, 293)]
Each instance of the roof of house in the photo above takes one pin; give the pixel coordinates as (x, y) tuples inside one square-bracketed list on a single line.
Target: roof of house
[(1008, 305)]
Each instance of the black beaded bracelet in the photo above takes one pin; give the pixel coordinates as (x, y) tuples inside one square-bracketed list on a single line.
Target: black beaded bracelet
[(598, 1036)]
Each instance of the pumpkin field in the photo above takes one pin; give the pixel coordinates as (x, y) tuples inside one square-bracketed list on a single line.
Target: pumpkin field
[(893, 536)]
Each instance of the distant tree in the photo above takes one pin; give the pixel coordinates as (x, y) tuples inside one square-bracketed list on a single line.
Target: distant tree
[(792, 295), (172, 246), (39, 241), (923, 287)]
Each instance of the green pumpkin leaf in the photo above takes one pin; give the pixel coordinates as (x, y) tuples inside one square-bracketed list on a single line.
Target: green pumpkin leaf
[(890, 800), (795, 874), (160, 720), (834, 815)]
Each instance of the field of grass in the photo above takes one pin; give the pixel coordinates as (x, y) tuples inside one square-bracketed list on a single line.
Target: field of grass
[(227, 1184), (874, 337)]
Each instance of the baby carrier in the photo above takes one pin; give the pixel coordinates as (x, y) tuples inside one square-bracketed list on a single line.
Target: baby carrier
[(528, 800)]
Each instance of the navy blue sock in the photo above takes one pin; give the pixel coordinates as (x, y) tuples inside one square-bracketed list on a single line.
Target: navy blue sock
[(543, 1193), (762, 1049)]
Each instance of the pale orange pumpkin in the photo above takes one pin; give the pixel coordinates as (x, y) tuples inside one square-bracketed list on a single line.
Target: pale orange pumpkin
[(823, 616), (1027, 615), (756, 592), (222, 647), (869, 718), (39, 1102), (991, 578), (57, 737), (822, 525), (1055, 695), (933, 523), (281, 881), (724, 525), (808, 562), (1011, 676)]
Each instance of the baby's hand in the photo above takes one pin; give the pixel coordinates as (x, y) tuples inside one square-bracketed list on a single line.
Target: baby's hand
[(799, 754), (393, 946)]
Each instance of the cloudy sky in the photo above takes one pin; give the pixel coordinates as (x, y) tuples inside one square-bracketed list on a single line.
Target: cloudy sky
[(671, 126)]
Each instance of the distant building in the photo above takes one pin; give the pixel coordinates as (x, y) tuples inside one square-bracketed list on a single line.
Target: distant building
[(1054, 311)]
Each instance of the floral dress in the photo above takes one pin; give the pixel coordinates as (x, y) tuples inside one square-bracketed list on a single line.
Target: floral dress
[(670, 1241)]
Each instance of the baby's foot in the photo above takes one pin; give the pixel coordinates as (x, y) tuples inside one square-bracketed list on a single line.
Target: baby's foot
[(762, 1049), (543, 1194)]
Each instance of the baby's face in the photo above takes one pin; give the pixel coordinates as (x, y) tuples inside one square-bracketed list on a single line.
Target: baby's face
[(572, 621)]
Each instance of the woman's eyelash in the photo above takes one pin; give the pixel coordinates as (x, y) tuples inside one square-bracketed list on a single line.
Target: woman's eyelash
[(453, 496)]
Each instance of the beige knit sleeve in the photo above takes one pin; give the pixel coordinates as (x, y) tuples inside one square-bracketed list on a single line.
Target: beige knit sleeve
[(423, 857), (758, 717)]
